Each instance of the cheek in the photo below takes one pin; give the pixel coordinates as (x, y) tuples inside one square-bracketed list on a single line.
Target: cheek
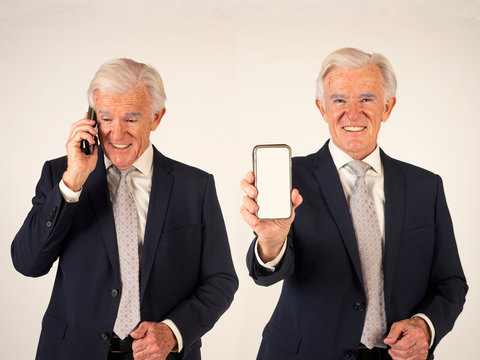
[(101, 133)]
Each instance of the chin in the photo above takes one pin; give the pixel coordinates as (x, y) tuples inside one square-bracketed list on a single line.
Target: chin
[(122, 164)]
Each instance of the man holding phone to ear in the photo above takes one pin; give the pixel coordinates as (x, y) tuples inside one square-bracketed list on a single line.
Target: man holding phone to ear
[(144, 264), (368, 258)]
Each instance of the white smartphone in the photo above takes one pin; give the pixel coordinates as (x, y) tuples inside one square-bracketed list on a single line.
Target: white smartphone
[(272, 166)]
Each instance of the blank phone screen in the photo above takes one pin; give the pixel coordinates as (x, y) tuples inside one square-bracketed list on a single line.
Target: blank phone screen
[(272, 167)]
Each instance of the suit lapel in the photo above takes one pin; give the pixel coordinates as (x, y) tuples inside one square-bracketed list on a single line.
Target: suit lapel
[(395, 189), (96, 188), (162, 183), (331, 187)]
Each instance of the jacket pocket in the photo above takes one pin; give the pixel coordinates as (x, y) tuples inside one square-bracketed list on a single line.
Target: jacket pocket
[(55, 327), (281, 339)]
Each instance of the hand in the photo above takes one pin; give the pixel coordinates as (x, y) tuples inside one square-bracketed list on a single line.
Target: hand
[(79, 165), (153, 341), (409, 339), (271, 233)]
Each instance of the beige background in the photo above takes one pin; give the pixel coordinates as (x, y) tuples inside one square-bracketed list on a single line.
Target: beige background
[(237, 73)]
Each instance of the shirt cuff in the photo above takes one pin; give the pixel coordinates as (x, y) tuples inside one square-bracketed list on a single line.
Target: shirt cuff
[(271, 264), (430, 326), (69, 195), (177, 334)]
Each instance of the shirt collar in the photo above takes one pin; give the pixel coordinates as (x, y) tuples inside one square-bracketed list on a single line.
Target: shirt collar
[(341, 158), (143, 164)]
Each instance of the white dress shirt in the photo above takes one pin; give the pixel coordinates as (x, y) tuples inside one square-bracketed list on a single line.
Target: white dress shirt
[(374, 179), (140, 184)]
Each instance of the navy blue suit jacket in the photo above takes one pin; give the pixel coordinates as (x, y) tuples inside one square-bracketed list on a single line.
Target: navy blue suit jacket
[(186, 270), (321, 310)]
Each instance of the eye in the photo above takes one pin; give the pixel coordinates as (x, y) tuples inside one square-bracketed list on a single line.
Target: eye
[(131, 121), (338, 101), (106, 119), (366, 100)]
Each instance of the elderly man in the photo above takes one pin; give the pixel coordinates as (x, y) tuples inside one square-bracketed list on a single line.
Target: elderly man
[(369, 260), (144, 265)]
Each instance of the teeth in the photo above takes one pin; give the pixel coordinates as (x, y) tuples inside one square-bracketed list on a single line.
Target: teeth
[(120, 146), (354, 128)]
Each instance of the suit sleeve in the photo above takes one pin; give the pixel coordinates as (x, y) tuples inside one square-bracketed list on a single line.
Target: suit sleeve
[(218, 280), (446, 295), (284, 268), (39, 241)]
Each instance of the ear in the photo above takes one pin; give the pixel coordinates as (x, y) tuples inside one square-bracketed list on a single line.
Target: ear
[(157, 117), (388, 107), (321, 107)]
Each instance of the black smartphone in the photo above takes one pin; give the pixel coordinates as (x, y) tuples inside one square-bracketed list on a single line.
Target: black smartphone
[(272, 166), (85, 146)]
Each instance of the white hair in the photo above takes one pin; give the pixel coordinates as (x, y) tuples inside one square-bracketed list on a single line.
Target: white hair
[(348, 58), (119, 76)]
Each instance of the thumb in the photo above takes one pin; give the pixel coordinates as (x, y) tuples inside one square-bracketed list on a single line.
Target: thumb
[(140, 331), (394, 334), (296, 198)]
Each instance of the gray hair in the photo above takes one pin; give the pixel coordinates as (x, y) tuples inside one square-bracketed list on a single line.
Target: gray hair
[(119, 76), (348, 58)]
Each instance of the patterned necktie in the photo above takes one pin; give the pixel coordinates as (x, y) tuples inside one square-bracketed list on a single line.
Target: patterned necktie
[(125, 214), (367, 231)]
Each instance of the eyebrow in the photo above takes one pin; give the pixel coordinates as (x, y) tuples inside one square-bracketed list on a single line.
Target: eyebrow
[(133, 113), (337, 96)]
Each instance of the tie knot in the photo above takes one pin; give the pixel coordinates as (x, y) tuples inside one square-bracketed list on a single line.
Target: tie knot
[(124, 173), (359, 167)]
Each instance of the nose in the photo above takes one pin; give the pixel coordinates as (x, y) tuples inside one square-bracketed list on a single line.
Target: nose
[(117, 130), (353, 110)]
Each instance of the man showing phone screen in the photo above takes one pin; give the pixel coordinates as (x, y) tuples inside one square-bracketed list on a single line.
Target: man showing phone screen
[(368, 258)]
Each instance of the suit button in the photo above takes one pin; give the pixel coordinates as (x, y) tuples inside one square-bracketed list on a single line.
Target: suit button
[(114, 293), (49, 223), (359, 306), (105, 336), (350, 353)]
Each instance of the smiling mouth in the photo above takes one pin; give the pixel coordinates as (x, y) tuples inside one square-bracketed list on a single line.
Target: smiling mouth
[(120, 146), (354, 128)]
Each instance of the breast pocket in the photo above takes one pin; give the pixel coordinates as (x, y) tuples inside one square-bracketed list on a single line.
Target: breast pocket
[(419, 242)]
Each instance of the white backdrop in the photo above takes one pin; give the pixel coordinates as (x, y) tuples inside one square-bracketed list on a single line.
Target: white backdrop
[(237, 73)]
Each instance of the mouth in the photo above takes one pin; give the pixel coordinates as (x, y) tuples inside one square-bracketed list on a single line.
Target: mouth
[(354, 128), (120, 146)]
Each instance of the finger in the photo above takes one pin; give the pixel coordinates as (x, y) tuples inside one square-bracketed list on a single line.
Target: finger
[(81, 131), (141, 330), (84, 136), (402, 348), (414, 352), (251, 219), (140, 354), (139, 346), (394, 334), (248, 188), (250, 204), (84, 121), (250, 177)]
